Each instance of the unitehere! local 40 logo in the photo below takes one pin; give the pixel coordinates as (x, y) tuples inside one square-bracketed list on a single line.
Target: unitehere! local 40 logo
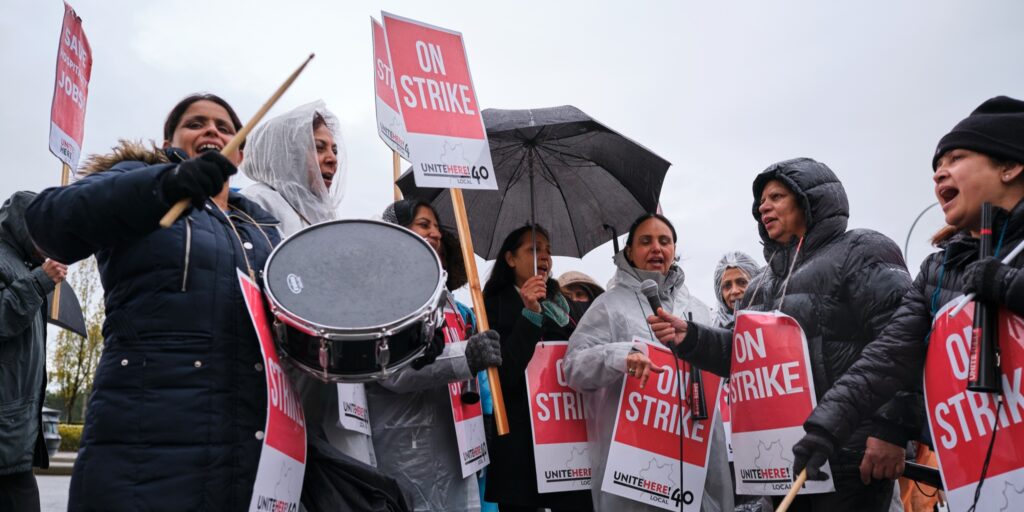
[(644, 458)]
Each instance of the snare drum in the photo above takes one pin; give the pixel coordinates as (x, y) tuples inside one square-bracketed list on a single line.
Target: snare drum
[(354, 300)]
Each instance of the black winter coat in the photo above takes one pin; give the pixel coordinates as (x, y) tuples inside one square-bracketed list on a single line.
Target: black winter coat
[(178, 407), (896, 360), (23, 289), (843, 290), (511, 476)]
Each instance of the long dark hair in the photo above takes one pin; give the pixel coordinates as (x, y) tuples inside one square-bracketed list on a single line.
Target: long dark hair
[(178, 111), (502, 275), (405, 212)]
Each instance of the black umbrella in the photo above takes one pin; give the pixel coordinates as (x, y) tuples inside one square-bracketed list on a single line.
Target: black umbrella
[(558, 167), (70, 315)]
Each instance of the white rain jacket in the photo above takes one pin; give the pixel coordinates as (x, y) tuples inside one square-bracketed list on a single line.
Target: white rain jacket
[(414, 432), (595, 365), (280, 156)]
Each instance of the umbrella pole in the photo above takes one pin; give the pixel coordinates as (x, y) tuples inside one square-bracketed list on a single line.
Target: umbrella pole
[(466, 244), (533, 214), (65, 176), (396, 163)]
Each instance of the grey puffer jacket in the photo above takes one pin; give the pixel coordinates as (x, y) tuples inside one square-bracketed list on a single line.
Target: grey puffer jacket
[(23, 290), (843, 291), (595, 364)]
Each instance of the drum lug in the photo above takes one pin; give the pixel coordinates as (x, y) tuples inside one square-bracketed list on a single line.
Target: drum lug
[(324, 357), (383, 355)]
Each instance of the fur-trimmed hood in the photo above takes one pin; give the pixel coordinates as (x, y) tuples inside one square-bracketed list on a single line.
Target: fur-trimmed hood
[(125, 151)]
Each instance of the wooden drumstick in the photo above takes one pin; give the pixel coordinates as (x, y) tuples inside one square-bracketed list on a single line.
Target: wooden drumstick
[(788, 500), (236, 141)]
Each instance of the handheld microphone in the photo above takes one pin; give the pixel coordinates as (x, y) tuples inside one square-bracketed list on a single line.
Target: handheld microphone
[(983, 374), (650, 290), (698, 404)]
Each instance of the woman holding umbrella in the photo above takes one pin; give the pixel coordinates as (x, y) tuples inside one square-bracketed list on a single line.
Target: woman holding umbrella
[(525, 308), (601, 355)]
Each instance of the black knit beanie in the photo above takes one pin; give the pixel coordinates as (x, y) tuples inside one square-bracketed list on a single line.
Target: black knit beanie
[(996, 129)]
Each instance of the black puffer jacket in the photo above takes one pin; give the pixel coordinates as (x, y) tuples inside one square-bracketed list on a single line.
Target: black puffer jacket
[(843, 290), (179, 401), (896, 360), (23, 289)]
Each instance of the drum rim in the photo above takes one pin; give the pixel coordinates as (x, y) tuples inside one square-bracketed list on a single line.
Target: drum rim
[(349, 378), (376, 331)]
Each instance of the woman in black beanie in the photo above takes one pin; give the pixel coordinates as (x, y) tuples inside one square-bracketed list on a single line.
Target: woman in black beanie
[(980, 160)]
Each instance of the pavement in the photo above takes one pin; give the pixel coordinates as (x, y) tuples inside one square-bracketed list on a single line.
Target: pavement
[(53, 492)]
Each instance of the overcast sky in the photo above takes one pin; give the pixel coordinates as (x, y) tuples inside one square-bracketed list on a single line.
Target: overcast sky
[(721, 91)]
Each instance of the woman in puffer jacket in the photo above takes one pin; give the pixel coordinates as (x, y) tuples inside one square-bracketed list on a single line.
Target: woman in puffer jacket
[(980, 160), (842, 287), (601, 354), (179, 401)]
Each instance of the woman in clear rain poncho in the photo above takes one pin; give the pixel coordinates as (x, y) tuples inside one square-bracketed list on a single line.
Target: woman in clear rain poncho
[(732, 275), (600, 353), (298, 162)]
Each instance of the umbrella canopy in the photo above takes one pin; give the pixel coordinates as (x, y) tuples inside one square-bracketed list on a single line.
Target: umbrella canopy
[(580, 180), (70, 315)]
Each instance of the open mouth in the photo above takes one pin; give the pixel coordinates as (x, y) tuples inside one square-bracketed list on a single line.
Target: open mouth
[(947, 193), (328, 178), (543, 268)]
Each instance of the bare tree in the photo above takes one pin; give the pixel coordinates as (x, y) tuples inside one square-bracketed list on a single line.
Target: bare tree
[(75, 358)]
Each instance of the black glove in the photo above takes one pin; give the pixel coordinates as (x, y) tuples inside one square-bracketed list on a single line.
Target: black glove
[(483, 350), (988, 279), (812, 453), (197, 178), (434, 349)]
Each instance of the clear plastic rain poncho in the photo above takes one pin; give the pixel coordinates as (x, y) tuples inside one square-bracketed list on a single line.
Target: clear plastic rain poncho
[(724, 315), (595, 364), (281, 155)]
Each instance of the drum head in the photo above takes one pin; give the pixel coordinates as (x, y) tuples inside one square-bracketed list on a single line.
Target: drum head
[(353, 274)]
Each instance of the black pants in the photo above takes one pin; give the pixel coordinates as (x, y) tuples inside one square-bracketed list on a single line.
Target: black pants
[(851, 496), (18, 491)]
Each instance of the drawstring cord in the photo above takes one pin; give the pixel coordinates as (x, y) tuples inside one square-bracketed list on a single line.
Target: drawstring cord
[(792, 265)]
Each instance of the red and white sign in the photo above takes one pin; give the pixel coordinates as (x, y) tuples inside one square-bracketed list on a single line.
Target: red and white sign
[(469, 418), (390, 125), (282, 463), (559, 422), (962, 422), (70, 90), (771, 394), (445, 132), (643, 459)]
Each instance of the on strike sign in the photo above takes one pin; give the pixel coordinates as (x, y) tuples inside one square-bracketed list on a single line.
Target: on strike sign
[(282, 465), (962, 422), (390, 126), (70, 91), (643, 459), (558, 419), (446, 138), (470, 435), (771, 394)]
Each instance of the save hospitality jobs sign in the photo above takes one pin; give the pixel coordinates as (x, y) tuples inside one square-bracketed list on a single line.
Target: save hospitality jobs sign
[(643, 459), (771, 393), (558, 421), (70, 91), (962, 421), (446, 141), (282, 463), (470, 435), (390, 126)]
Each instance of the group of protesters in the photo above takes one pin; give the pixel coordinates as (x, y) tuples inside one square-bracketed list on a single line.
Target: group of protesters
[(179, 403)]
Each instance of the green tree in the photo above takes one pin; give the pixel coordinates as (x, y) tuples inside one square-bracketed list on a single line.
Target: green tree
[(75, 358)]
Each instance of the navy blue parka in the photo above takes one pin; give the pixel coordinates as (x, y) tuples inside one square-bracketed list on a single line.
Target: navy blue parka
[(178, 407)]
